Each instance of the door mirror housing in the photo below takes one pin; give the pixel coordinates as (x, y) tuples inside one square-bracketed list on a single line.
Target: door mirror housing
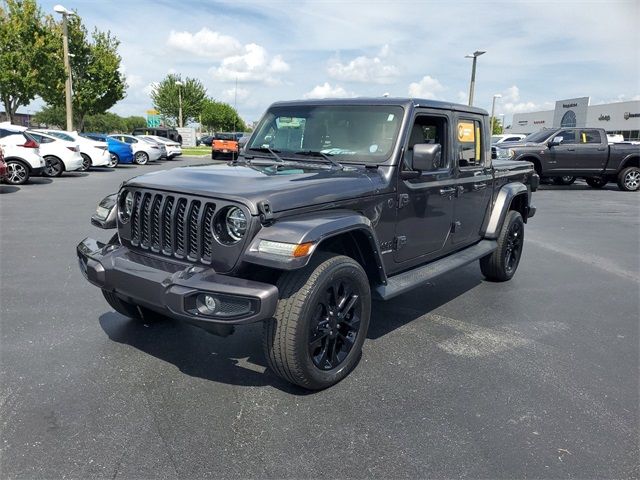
[(555, 141), (426, 156)]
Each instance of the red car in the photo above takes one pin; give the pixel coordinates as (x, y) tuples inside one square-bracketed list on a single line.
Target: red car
[(3, 166)]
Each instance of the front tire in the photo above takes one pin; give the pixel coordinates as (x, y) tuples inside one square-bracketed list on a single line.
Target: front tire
[(141, 158), (596, 182), (566, 180), (53, 166), (315, 338), (629, 179), (502, 264)]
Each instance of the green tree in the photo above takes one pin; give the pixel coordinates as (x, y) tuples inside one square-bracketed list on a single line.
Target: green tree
[(497, 126), (166, 99), (50, 116), (220, 116), (97, 81), (105, 123), (130, 123), (27, 53)]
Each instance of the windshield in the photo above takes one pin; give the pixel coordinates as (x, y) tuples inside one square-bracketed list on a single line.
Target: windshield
[(359, 133), (538, 137), (62, 136)]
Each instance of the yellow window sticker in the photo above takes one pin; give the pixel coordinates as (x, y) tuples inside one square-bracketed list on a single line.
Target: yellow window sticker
[(466, 132)]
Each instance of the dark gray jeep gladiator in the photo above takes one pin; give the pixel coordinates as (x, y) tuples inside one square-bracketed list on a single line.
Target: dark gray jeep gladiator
[(564, 154), (331, 204)]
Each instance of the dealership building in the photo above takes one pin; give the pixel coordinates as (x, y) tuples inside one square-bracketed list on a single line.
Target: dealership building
[(619, 117)]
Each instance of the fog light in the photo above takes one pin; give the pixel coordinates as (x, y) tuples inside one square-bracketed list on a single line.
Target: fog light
[(225, 306), (210, 302)]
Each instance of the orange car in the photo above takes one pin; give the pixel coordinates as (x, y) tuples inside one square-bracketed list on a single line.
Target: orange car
[(224, 145)]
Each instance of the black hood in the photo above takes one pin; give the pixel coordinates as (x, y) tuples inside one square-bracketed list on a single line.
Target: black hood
[(288, 187)]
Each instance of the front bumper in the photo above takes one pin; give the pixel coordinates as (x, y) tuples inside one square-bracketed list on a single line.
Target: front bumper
[(169, 287)]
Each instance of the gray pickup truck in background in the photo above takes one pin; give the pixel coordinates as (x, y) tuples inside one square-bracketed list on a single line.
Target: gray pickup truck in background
[(564, 154)]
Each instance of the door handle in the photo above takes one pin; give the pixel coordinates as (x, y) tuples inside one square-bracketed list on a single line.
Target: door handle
[(571, 149), (447, 191), (479, 186)]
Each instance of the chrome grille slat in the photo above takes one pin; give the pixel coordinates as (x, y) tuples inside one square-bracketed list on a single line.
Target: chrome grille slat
[(173, 225)]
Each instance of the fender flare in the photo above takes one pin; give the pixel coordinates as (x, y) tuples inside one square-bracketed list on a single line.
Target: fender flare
[(314, 227), (503, 201), (627, 159)]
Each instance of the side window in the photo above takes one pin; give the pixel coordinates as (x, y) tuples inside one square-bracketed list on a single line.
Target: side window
[(590, 136), (567, 137), (429, 130), (470, 144), (512, 139)]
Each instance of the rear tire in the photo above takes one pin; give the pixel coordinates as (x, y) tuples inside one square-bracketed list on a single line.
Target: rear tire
[(53, 166), (596, 182), (315, 338), (629, 179), (17, 173), (86, 163), (501, 265), (566, 180)]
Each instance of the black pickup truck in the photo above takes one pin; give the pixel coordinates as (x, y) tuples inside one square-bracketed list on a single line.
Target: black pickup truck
[(564, 154), (331, 204)]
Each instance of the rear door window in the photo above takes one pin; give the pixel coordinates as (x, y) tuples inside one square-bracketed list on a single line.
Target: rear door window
[(590, 136), (469, 134)]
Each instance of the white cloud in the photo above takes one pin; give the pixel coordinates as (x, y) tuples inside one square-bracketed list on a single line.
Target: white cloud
[(428, 88), (241, 95), (365, 69), (150, 88), (254, 65), (462, 97), (205, 43), (511, 103), (327, 91)]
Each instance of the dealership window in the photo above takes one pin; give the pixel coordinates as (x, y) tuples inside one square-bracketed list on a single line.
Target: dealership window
[(568, 119), (469, 143)]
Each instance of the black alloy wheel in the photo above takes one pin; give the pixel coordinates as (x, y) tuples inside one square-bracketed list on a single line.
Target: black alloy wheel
[(514, 247), (596, 182), (565, 180), (334, 328), (52, 166)]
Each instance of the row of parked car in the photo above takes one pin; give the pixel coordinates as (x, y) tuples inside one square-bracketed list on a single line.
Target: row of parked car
[(31, 152)]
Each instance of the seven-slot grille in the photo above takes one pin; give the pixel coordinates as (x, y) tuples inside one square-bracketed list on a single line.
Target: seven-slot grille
[(173, 225)]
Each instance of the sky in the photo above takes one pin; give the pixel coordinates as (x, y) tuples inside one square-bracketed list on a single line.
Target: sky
[(537, 52)]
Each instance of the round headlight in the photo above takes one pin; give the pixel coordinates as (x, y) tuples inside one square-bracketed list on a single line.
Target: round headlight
[(126, 206), (236, 223)]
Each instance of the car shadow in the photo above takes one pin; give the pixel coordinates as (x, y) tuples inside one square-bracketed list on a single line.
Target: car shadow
[(126, 165), (580, 187), (39, 180), (101, 169), (235, 360), (393, 314), (239, 360), (8, 189), (75, 174)]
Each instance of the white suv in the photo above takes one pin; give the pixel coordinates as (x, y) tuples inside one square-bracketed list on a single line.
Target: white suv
[(94, 153), (59, 155), (22, 156)]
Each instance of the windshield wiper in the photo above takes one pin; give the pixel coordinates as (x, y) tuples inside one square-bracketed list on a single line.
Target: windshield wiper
[(313, 153), (269, 150)]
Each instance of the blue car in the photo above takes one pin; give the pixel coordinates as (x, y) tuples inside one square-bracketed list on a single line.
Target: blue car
[(120, 152)]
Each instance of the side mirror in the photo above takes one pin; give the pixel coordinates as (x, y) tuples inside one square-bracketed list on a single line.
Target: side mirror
[(426, 156), (555, 142)]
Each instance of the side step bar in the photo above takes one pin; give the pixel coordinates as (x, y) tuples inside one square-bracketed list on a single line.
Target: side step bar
[(403, 282)]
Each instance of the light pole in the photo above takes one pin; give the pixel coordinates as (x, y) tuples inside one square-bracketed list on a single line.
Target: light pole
[(67, 67), (493, 109), (475, 56), (179, 84), (502, 122)]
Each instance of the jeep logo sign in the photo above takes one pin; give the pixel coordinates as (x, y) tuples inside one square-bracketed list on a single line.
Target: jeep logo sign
[(604, 118)]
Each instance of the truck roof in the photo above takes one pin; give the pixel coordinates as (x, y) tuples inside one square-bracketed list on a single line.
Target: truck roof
[(402, 102)]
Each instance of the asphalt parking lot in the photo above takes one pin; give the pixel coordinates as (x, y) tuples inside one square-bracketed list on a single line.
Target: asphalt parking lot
[(535, 378)]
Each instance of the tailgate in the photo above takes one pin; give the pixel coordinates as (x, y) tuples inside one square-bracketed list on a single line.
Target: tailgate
[(224, 146)]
